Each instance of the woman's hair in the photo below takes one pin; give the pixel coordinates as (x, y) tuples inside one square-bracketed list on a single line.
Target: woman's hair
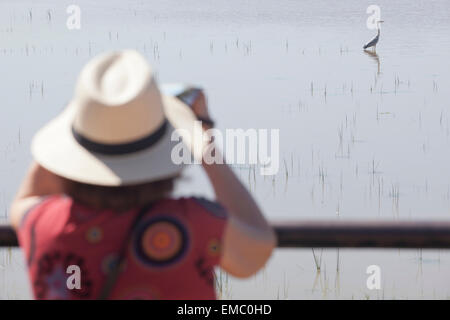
[(120, 198)]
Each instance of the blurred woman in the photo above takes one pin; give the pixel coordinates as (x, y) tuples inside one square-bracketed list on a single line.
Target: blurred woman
[(94, 214)]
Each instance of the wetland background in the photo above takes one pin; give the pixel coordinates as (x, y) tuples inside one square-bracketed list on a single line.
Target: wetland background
[(362, 136)]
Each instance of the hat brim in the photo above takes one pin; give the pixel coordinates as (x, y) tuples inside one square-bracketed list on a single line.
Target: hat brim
[(55, 148)]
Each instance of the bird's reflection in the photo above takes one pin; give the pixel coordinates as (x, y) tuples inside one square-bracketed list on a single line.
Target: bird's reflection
[(375, 58)]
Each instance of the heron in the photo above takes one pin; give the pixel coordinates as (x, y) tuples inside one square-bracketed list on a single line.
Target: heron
[(374, 41)]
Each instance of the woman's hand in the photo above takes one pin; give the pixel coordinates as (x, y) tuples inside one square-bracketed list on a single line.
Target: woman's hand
[(200, 106), (200, 109)]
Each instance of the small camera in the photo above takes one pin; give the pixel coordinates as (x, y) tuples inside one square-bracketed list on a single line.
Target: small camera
[(186, 93)]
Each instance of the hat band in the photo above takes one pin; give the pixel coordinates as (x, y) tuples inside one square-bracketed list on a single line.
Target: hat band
[(122, 148)]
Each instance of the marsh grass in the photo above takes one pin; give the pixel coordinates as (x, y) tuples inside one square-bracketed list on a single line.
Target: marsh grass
[(317, 259)]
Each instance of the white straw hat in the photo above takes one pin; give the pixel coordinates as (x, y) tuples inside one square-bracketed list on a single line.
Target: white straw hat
[(117, 129)]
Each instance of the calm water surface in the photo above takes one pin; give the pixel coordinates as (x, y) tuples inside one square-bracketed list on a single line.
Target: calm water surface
[(361, 136)]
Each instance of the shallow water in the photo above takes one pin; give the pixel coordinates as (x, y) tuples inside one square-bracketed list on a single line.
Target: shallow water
[(361, 136)]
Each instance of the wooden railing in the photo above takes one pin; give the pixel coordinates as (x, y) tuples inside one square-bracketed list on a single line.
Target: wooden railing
[(339, 234)]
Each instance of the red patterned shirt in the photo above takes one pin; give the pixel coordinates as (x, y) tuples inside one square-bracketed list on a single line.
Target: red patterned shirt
[(171, 255)]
